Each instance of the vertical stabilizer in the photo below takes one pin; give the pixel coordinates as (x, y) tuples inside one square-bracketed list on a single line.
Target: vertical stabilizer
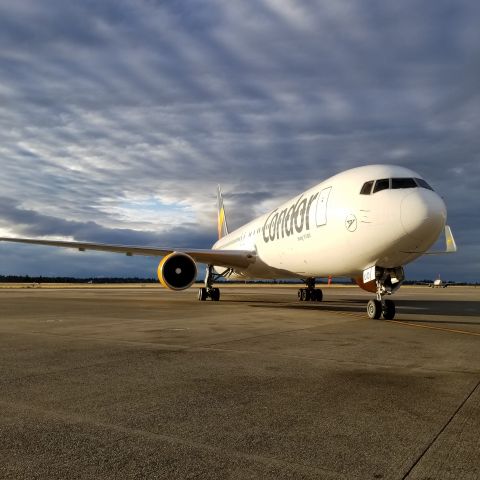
[(222, 219)]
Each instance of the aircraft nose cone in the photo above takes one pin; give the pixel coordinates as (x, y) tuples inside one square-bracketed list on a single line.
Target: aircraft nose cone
[(423, 215)]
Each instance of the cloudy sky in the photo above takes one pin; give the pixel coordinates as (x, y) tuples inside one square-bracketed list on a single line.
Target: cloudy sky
[(119, 117)]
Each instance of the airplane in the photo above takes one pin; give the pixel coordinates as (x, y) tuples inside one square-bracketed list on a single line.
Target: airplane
[(439, 283), (365, 223)]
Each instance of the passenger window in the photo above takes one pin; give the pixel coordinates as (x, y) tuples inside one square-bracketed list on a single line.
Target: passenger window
[(383, 184), (422, 183), (403, 183), (367, 188)]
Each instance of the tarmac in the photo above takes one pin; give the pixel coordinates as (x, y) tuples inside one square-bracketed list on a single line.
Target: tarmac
[(149, 384)]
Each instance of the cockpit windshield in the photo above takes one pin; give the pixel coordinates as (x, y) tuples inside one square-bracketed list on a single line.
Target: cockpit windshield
[(367, 187), (422, 183), (394, 184), (403, 183), (382, 184)]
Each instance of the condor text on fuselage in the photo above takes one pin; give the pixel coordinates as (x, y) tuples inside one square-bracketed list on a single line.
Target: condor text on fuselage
[(294, 219)]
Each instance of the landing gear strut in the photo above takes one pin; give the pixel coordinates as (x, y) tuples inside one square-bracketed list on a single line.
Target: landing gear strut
[(209, 291), (310, 293), (387, 281)]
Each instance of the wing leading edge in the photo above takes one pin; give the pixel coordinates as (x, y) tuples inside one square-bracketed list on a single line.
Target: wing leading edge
[(223, 258)]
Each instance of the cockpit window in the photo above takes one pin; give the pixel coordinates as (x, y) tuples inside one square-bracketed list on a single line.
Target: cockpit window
[(422, 183), (393, 183), (403, 183), (383, 184), (367, 188)]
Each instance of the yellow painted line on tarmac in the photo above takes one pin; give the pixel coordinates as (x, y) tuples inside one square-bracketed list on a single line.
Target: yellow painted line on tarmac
[(353, 315), (430, 327)]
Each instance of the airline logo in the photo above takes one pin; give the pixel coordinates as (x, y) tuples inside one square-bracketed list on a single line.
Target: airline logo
[(351, 222), (293, 219)]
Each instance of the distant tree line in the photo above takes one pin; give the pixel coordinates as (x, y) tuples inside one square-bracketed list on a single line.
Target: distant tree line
[(100, 280), (119, 280)]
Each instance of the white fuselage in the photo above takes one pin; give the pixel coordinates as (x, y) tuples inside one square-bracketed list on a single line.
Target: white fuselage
[(334, 230)]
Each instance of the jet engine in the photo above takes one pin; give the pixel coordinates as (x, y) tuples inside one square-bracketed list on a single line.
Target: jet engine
[(177, 271)]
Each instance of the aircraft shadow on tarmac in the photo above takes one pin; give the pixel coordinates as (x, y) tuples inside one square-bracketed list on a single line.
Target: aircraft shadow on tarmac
[(420, 307)]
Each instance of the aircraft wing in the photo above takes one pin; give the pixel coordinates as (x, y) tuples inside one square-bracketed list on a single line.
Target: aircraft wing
[(223, 258)]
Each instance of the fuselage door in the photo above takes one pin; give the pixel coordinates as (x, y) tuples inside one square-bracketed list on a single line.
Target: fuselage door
[(321, 211)]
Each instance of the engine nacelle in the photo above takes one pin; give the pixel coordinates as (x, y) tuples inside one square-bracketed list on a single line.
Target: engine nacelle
[(177, 271)]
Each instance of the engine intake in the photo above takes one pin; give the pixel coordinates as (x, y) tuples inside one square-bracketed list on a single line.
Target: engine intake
[(177, 271)]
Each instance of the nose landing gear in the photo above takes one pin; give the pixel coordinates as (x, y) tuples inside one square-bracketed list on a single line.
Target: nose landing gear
[(378, 308), (388, 281), (310, 293)]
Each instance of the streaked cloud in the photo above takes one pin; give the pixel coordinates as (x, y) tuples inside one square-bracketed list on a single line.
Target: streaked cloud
[(116, 107)]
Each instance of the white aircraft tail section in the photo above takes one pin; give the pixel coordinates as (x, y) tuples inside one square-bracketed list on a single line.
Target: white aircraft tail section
[(222, 218)]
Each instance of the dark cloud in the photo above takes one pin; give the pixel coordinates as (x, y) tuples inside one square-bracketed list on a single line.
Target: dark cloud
[(107, 105), (34, 224)]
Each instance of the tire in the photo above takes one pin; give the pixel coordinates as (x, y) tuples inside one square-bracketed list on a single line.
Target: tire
[(215, 295), (388, 311), (299, 293), (318, 295), (374, 309), (202, 294), (308, 295)]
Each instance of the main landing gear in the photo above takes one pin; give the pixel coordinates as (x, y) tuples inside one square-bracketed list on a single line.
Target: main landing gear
[(387, 281), (310, 293), (209, 291)]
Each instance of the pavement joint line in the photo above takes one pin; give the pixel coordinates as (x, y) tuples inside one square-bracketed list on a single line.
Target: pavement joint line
[(63, 370), (167, 349), (257, 336), (102, 340), (270, 334), (444, 427), (78, 419), (336, 360), (431, 327)]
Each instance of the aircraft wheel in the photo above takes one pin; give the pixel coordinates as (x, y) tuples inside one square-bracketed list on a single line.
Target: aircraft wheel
[(388, 311), (303, 294), (318, 295), (308, 295), (215, 295), (374, 309), (202, 294)]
